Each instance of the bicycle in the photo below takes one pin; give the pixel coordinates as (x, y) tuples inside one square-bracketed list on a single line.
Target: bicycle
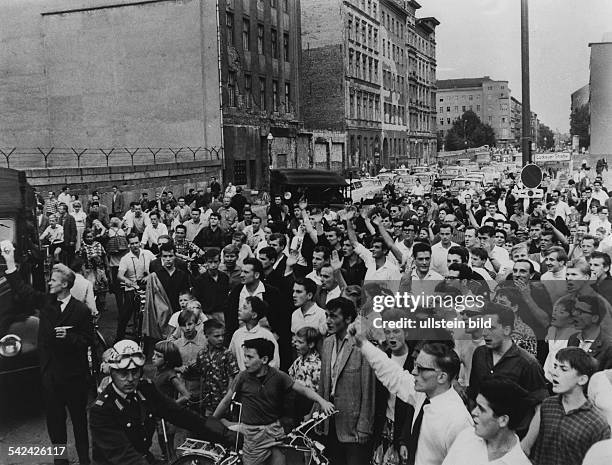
[(196, 452), (94, 355)]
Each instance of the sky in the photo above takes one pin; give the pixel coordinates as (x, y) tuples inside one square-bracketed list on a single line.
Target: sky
[(483, 38)]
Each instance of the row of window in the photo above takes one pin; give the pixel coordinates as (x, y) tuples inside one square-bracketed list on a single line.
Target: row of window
[(274, 4), (464, 108), (368, 6), (246, 38), (260, 99), (364, 105), (456, 98), (395, 27), (490, 119), (363, 33), (393, 82), (395, 114), (390, 50), (362, 66)]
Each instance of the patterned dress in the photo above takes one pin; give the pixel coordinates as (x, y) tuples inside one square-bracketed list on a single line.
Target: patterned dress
[(216, 368), (524, 336)]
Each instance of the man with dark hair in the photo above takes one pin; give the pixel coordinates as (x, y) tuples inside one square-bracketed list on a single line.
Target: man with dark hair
[(211, 236), (500, 406), (501, 356), (421, 279), (307, 313), (320, 256), (173, 279), (117, 203), (440, 414), (67, 221), (600, 270), (211, 286), (588, 313), (439, 251), (348, 381), (251, 285)]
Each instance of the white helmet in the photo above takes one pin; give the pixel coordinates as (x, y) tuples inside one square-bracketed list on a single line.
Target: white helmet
[(125, 354)]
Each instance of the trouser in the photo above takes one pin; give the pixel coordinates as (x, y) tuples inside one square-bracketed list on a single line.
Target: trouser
[(115, 286), (126, 311), (71, 395), (346, 453), (68, 254)]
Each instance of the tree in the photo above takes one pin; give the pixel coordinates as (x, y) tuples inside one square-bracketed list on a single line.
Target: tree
[(546, 138), (468, 131), (580, 121)]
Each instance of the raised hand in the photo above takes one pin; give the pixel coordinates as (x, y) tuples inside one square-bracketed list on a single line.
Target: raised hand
[(335, 260), (292, 259)]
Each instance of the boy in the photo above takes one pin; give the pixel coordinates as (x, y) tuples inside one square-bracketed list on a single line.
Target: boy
[(567, 424), (250, 314), (216, 365), (229, 265), (189, 344), (262, 389), (211, 287)]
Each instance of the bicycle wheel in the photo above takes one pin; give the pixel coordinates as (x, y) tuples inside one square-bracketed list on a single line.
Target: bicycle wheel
[(193, 459)]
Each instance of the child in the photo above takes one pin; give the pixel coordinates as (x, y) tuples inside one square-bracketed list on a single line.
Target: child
[(262, 389), (307, 366), (184, 298), (253, 310), (195, 307), (189, 344), (567, 424), (166, 358), (216, 365)]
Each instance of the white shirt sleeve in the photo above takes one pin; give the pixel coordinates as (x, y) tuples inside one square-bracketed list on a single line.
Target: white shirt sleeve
[(363, 253), (397, 380)]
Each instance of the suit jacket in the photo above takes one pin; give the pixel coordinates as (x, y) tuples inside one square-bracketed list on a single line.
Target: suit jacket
[(117, 203), (403, 411), (279, 317), (354, 395), (601, 348), (70, 231), (60, 359)]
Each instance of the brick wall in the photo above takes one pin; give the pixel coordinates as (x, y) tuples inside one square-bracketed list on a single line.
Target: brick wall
[(322, 103)]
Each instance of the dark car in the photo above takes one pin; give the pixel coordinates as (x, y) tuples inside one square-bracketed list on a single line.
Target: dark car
[(320, 188), (18, 322)]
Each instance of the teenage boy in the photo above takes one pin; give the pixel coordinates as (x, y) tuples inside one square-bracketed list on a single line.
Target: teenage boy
[(567, 424), (262, 390), (250, 313), (211, 286)]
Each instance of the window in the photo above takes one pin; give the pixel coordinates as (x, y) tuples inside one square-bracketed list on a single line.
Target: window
[(447, 108), (273, 3), (503, 120), (260, 39), (274, 42), (262, 93), (287, 97), (441, 100), (275, 95), (285, 5), (442, 121), (350, 27), (231, 88), (490, 119), (441, 109), (477, 107), (286, 46), (463, 108), (229, 22), (246, 38), (471, 97), (447, 120), (248, 90), (358, 106), (456, 108), (240, 172), (350, 62), (352, 106)]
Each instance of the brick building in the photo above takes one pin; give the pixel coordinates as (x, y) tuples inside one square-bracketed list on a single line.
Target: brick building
[(260, 48), (421, 46), (355, 81), (489, 99)]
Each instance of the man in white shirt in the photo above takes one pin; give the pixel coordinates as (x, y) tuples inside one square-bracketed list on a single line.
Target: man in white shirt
[(307, 312), (492, 213), (132, 273), (320, 256), (66, 198), (254, 233), (82, 289), (554, 279), (153, 231), (379, 268), (440, 414), (598, 193), (498, 256), (421, 279), (439, 251), (562, 209), (500, 406)]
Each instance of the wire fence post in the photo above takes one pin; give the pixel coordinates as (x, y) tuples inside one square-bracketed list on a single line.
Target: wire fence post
[(46, 155), (79, 155), (7, 155)]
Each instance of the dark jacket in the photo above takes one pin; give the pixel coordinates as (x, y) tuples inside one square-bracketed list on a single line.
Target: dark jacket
[(211, 293), (209, 238), (122, 431), (403, 411), (60, 359), (70, 230), (601, 348)]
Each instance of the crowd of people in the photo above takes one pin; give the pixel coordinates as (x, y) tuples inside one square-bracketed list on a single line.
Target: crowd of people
[(276, 307)]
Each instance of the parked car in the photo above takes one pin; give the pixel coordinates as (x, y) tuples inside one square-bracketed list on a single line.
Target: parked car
[(365, 188), (459, 183), (319, 187)]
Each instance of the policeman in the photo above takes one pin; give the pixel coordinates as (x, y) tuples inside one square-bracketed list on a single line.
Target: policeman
[(122, 419)]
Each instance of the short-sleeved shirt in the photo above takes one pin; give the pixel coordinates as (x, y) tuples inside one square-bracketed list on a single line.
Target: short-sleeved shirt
[(565, 438), (262, 397)]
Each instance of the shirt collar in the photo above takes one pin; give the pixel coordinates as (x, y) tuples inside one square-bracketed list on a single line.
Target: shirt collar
[(123, 395), (63, 302)]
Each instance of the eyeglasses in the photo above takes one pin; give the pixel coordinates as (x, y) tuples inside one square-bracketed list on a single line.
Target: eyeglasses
[(420, 369)]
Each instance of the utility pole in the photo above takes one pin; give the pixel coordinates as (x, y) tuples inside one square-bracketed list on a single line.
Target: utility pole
[(526, 136)]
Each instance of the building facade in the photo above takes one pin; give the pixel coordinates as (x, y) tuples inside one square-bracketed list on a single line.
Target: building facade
[(260, 49), (489, 99), (580, 97), (355, 80), (601, 99), (517, 123)]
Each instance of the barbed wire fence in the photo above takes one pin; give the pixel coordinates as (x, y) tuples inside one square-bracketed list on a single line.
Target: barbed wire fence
[(80, 157)]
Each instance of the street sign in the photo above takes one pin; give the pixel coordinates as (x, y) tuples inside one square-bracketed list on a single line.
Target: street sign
[(531, 176), (556, 156)]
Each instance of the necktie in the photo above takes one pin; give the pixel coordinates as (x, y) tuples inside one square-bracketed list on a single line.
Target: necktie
[(413, 441)]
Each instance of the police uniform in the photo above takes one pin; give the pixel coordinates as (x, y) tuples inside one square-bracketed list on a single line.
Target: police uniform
[(122, 428)]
